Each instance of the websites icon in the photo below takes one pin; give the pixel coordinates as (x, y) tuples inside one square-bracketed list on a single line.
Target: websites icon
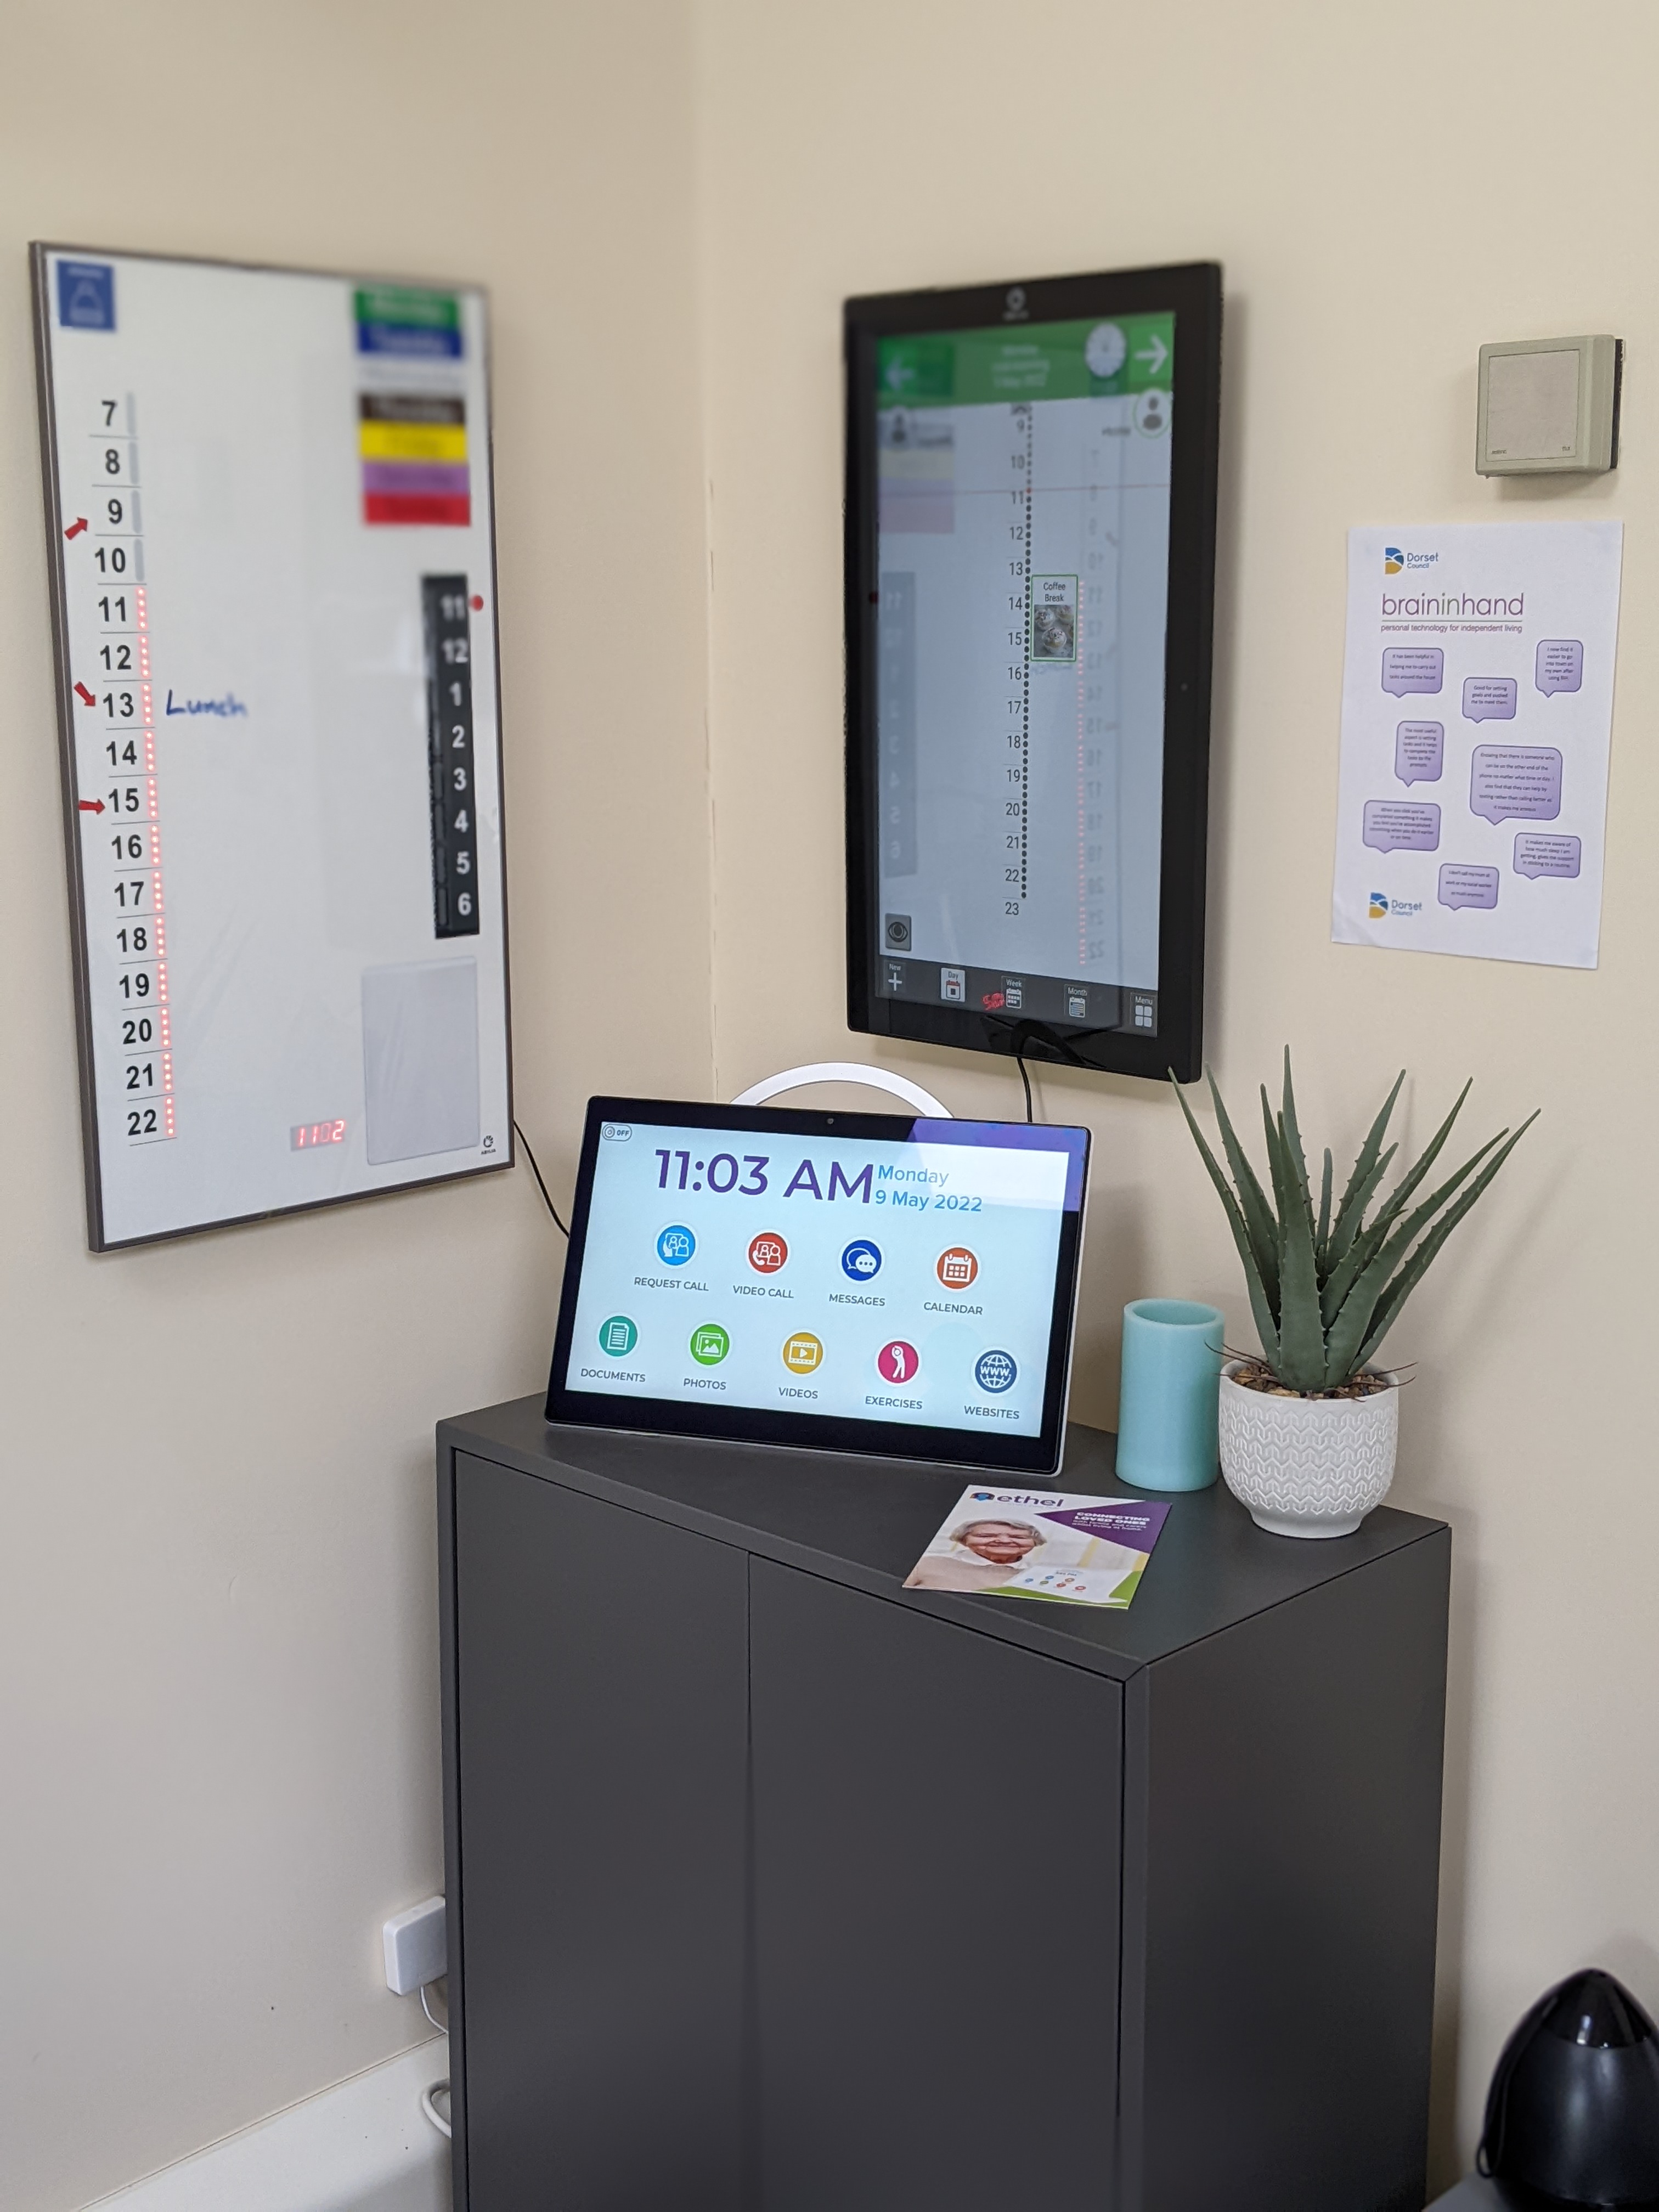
[(996, 1371)]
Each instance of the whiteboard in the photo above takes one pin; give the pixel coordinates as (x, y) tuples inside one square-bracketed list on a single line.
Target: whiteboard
[(269, 499)]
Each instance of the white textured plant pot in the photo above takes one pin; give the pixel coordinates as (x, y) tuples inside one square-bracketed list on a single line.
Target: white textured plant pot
[(1307, 1467)]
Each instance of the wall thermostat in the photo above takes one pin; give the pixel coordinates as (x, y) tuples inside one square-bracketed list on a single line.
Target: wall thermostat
[(1548, 406)]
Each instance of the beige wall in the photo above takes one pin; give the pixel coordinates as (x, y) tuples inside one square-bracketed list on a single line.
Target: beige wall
[(217, 1624), (216, 1571), (1387, 188)]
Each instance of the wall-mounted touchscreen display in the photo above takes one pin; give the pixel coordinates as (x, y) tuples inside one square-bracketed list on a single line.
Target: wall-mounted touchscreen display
[(1030, 516), (858, 1282)]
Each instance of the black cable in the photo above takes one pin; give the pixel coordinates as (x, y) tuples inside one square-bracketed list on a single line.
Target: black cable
[(536, 1172), (1019, 1061)]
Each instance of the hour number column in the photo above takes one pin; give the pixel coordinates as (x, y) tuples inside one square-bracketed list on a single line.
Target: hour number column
[(449, 730)]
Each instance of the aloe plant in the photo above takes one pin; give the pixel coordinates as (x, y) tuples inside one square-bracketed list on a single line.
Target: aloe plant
[(1326, 1288)]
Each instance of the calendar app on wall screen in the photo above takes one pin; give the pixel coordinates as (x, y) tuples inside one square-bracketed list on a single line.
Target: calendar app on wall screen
[(274, 596), (1030, 551)]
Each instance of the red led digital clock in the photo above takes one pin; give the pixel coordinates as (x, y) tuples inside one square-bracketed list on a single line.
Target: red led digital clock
[(307, 1133)]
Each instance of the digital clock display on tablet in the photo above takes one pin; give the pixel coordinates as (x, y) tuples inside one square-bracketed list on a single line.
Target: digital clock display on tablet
[(867, 1281)]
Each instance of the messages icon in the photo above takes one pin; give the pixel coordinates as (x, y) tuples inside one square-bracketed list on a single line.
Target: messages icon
[(861, 1260)]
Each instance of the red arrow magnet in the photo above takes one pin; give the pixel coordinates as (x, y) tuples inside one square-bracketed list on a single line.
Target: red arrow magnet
[(88, 698), (91, 806), (77, 527)]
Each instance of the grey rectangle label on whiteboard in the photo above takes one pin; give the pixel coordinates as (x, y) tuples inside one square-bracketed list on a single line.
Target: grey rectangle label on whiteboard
[(420, 1060)]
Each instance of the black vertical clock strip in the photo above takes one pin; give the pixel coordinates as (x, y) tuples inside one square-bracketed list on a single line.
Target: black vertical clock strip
[(449, 736)]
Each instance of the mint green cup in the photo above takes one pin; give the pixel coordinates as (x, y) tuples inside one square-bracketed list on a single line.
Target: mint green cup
[(1170, 1395)]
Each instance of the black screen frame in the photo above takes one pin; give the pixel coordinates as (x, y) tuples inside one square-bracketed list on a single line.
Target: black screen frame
[(989, 1452), (1193, 292)]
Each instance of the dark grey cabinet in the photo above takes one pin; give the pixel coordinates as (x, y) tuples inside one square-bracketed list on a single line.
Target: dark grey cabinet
[(774, 1887)]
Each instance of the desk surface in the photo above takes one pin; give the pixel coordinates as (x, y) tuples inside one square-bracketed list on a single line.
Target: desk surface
[(864, 1522)]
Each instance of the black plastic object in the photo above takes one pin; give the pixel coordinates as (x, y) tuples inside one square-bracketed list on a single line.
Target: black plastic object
[(1572, 2114)]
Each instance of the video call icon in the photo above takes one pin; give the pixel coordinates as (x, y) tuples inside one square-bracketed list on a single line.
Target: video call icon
[(767, 1252)]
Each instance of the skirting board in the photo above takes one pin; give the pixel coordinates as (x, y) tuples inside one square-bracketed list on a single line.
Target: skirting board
[(363, 2146)]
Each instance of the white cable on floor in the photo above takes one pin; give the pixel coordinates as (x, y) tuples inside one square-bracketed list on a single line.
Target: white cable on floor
[(438, 2088)]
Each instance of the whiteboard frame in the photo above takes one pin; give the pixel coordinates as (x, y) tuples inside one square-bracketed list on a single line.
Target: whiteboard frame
[(57, 584)]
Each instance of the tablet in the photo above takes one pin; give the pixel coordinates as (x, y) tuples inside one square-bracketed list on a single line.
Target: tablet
[(872, 1283), (1031, 474)]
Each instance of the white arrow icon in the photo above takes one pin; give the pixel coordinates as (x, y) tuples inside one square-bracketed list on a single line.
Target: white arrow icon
[(1156, 354)]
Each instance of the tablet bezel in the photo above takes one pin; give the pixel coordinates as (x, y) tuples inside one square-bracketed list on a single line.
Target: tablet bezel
[(1192, 291), (991, 1451)]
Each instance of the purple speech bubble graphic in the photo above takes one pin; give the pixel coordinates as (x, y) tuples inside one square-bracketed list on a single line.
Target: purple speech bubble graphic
[(1461, 886), (1559, 665), (1420, 751), (1540, 855), (1520, 783), (1397, 825), (1407, 668), (1489, 698)]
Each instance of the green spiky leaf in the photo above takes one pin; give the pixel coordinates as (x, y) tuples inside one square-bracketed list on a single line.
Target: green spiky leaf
[(1253, 1200), (1301, 1334), (1388, 1306), (1363, 1181), (1260, 1311), (1352, 1325)]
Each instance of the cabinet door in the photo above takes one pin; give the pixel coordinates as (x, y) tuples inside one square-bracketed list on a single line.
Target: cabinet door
[(937, 1899), (601, 1726)]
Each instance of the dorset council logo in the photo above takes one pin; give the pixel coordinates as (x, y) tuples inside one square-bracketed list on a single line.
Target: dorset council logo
[(861, 1260), (1392, 559), (675, 1245), (1379, 907)]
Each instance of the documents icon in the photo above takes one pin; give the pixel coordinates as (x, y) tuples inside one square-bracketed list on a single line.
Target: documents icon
[(618, 1336)]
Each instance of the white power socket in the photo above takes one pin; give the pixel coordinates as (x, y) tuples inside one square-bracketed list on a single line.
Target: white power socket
[(416, 1947)]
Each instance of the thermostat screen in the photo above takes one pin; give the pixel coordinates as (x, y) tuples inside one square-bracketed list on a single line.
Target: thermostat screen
[(1022, 480), (806, 1271)]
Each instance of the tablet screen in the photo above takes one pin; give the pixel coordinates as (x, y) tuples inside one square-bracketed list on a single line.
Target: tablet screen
[(872, 1283)]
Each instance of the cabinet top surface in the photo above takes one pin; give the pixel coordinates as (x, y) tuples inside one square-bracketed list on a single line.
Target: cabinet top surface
[(865, 1522)]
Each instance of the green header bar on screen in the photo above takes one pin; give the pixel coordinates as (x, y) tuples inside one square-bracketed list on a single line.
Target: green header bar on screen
[(403, 304), (1044, 361)]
